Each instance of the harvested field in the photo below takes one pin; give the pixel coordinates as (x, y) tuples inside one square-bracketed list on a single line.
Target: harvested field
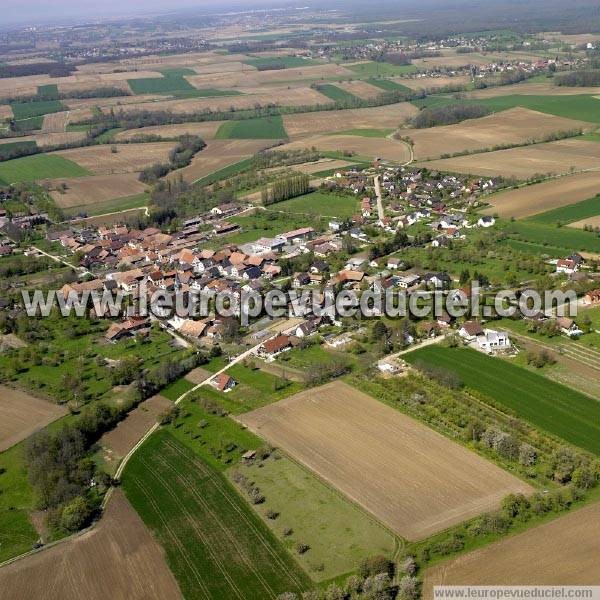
[(198, 375), (22, 414), (55, 122), (280, 96), (533, 89), (385, 117), (79, 104), (569, 547), (221, 67), (118, 554), (389, 149), (120, 440), (205, 130), (45, 140), (321, 165), (77, 86), (559, 157), (359, 88), (129, 158), (429, 83), (6, 112), (219, 154), (544, 196), (90, 191), (589, 222), (408, 476), (513, 126)]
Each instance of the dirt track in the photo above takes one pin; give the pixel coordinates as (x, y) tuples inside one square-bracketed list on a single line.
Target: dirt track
[(411, 478)]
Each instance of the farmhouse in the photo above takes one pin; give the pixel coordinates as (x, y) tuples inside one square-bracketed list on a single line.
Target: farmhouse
[(275, 346), (223, 382), (568, 326), (471, 330), (493, 341)]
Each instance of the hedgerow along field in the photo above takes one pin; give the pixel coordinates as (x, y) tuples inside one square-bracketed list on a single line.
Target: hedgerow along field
[(39, 166), (215, 545), (544, 403), (568, 214), (264, 128)]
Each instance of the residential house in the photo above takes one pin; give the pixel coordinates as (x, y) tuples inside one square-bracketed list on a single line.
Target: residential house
[(223, 382), (493, 341), (470, 331), (568, 326)]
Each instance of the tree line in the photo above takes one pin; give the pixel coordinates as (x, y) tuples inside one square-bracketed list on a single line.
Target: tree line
[(286, 188)]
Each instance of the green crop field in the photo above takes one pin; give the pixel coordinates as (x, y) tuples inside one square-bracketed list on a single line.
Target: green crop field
[(580, 107), (388, 85), (534, 249), (116, 205), (226, 172), (168, 84), (32, 124), (26, 110), (215, 545), (380, 69), (336, 94), (544, 403), (570, 213), (570, 239), (366, 132), (6, 149), (264, 128), (286, 62), (316, 514), (39, 166), (49, 92), (319, 203)]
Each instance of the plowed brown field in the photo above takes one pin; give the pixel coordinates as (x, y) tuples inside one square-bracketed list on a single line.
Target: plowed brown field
[(411, 478)]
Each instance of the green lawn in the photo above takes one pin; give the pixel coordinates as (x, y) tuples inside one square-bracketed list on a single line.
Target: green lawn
[(39, 166), (339, 533), (569, 214), (570, 239), (388, 85), (177, 389), (536, 249), (319, 203), (380, 69), (215, 545), (544, 403), (254, 389), (264, 128), (336, 94), (26, 110), (287, 62), (17, 534)]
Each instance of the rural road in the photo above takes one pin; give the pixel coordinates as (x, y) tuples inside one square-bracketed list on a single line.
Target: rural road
[(64, 262), (380, 211)]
